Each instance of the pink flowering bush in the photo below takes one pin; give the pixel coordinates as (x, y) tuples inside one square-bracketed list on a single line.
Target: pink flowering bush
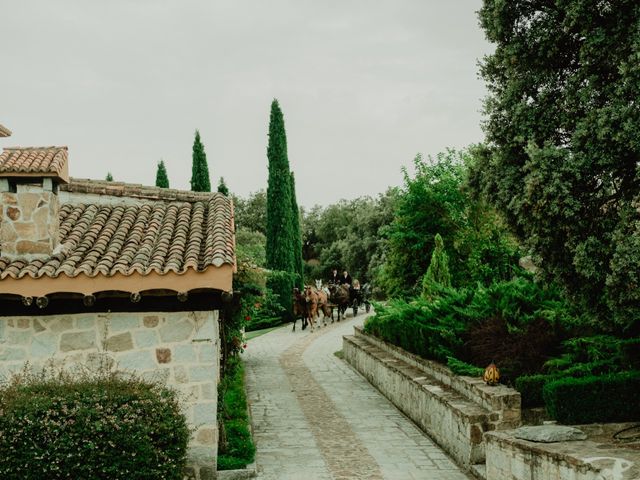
[(90, 426)]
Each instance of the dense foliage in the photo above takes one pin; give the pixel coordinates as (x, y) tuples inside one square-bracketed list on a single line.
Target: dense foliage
[(347, 235), (434, 201), (604, 398), (251, 213), (162, 179), (200, 181), (438, 272), (109, 177), (561, 162), (235, 447), (99, 425), (518, 324)]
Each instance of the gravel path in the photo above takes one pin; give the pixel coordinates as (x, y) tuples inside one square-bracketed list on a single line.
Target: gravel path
[(316, 418)]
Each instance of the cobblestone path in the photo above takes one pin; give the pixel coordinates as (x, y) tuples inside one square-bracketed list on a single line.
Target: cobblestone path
[(316, 418)]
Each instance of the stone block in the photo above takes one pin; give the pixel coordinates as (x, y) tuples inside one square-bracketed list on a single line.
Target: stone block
[(8, 353), (119, 343), (201, 455), (26, 247), (176, 332), (44, 345), (180, 375), (206, 330), (204, 413), (161, 376), (120, 323), (23, 322), (28, 203), (86, 322), (137, 360), (208, 473), (20, 337), (145, 338), (202, 373), (163, 355), (13, 213), (185, 353), (61, 324), (77, 341), (206, 436), (38, 326), (208, 391), (151, 321), (208, 353), (100, 361)]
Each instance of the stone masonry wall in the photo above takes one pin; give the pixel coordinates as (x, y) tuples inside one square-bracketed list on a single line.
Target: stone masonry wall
[(181, 349), (28, 223)]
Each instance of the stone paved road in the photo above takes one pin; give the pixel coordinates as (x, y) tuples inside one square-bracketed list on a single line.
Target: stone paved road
[(316, 418)]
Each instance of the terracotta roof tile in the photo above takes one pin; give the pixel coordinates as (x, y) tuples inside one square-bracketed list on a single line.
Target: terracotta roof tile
[(4, 131), (47, 161), (158, 236)]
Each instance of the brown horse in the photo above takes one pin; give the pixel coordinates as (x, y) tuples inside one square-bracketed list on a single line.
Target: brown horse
[(340, 297), (316, 301), (299, 309)]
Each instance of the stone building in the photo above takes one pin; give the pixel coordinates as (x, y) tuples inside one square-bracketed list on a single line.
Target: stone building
[(93, 270)]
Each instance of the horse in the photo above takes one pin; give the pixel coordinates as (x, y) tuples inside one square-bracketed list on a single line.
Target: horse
[(316, 301), (299, 309), (340, 297)]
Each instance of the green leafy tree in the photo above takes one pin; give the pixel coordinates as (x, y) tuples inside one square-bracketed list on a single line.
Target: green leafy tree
[(199, 169), (562, 127), (438, 272), (109, 177), (280, 223), (162, 179), (222, 187), (251, 213), (297, 236)]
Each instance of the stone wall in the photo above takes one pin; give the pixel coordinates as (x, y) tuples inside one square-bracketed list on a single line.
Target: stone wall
[(181, 349), (29, 223), (601, 456), (455, 419)]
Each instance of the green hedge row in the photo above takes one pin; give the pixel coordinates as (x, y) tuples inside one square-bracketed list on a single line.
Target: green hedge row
[(606, 398), (236, 448), (93, 426)]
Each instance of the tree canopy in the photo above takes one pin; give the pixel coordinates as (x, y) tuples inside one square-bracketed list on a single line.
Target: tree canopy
[(222, 187), (562, 155)]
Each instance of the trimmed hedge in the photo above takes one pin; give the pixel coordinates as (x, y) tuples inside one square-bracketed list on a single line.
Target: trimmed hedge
[(531, 388), (90, 426), (236, 448), (607, 398)]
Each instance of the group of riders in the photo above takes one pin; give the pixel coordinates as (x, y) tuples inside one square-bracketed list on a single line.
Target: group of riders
[(340, 293)]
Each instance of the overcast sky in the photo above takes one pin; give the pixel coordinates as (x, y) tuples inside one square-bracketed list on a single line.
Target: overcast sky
[(364, 85)]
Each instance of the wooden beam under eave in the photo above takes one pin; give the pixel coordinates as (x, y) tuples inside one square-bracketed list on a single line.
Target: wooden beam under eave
[(217, 278)]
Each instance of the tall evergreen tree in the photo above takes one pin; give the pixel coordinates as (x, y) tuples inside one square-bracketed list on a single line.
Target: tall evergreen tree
[(222, 187), (297, 236), (280, 234), (162, 179), (438, 271), (199, 169), (109, 177)]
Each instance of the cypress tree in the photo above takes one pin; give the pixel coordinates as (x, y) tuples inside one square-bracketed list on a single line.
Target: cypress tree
[(297, 236), (109, 177), (222, 187), (438, 271), (280, 235), (199, 169), (162, 179)]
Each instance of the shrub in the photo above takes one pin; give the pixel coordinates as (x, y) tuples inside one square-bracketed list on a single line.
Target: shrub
[(531, 387), (90, 425), (236, 448), (607, 398), (462, 368)]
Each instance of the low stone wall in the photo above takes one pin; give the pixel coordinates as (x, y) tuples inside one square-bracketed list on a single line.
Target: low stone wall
[(454, 421), (597, 458), (180, 349)]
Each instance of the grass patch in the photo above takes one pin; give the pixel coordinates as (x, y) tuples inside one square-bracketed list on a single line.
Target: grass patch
[(236, 448), (257, 333)]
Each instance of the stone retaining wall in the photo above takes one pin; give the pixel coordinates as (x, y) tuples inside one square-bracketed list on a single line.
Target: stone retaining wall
[(181, 349), (454, 421)]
